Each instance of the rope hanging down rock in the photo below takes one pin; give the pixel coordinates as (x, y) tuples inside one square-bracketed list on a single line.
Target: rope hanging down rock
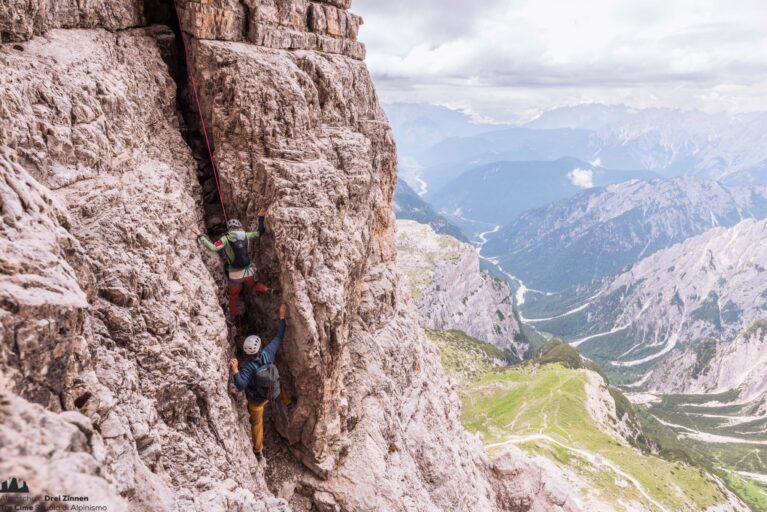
[(190, 73)]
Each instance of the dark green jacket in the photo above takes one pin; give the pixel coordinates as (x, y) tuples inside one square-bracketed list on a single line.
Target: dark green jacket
[(225, 242)]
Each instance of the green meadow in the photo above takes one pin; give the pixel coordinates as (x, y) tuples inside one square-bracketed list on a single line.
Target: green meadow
[(542, 410)]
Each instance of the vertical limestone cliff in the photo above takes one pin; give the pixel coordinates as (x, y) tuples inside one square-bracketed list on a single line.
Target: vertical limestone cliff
[(301, 130), (114, 342), (107, 308), (451, 291)]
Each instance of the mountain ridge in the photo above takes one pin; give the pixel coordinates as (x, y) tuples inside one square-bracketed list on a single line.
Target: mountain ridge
[(667, 141), (451, 292), (719, 366), (408, 205), (706, 286), (497, 192), (579, 240)]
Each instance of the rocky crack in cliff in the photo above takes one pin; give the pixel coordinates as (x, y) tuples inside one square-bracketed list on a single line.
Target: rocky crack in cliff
[(162, 13)]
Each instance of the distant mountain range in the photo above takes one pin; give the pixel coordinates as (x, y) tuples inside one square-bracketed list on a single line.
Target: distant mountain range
[(417, 126), (599, 231), (449, 159), (438, 145), (710, 286), (729, 148), (409, 206), (636, 235), (497, 193)]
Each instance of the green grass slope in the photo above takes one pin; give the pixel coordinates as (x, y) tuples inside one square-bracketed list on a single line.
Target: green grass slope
[(541, 407), (464, 357)]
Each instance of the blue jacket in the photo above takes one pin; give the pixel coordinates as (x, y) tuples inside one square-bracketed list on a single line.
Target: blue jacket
[(243, 377)]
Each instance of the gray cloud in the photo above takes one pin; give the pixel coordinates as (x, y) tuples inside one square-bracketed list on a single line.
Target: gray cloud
[(433, 21), (512, 57)]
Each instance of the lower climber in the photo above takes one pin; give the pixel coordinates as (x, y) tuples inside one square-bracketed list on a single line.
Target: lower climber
[(241, 270), (260, 380)]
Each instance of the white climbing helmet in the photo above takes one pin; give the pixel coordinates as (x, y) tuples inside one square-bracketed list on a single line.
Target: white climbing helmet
[(233, 224), (252, 345)]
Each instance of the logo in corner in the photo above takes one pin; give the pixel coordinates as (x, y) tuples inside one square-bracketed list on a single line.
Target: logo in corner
[(14, 485)]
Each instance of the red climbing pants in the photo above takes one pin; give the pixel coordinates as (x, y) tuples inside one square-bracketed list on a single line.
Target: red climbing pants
[(235, 288)]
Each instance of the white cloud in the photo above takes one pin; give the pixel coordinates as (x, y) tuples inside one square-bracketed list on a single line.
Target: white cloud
[(511, 59), (581, 178)]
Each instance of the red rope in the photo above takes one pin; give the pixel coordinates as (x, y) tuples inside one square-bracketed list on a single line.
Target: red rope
[(190, 73)]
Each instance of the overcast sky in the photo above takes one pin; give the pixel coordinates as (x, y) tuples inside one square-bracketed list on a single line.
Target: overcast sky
[(510, 59)]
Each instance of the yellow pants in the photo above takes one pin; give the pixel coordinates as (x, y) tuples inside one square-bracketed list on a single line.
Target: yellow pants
[(257, 420), (257, 424)]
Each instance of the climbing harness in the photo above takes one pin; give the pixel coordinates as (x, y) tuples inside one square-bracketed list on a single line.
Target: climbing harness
[(190, 73)]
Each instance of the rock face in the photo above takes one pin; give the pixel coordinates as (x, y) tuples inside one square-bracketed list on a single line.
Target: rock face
[(20, 20), (114, 343), (56, 451), (107, 306), (709, 286), (451, 292), (303, 132), (717, 367), (323, 25)]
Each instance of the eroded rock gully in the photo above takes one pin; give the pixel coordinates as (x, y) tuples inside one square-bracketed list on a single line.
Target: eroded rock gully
[(114, 375)]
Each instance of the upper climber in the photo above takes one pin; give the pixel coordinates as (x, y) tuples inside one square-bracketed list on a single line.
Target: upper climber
[(260, 380), (241, 270)]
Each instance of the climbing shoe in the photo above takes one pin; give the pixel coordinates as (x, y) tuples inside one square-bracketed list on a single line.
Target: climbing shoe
[(259, 455), (275, 291)]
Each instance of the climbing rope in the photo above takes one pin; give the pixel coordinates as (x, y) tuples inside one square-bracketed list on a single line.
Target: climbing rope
[(190, 73)]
